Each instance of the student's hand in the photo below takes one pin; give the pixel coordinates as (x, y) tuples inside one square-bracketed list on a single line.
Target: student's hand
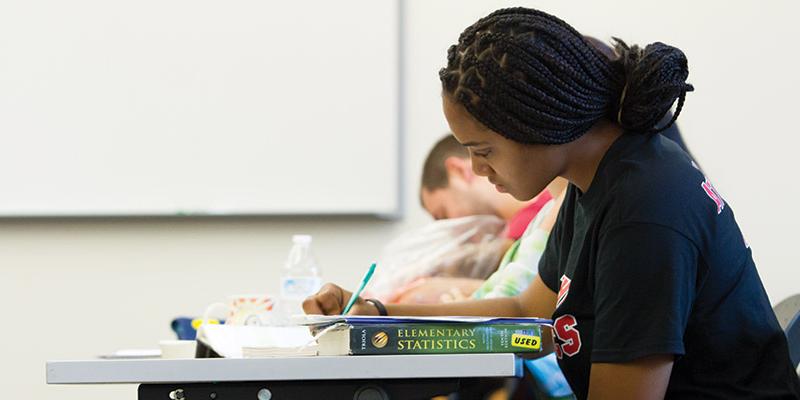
[(331, 299), (453, 295)]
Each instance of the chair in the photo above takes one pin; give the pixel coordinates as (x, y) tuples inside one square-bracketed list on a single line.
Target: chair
[(788, 313), (793, 338), (787, 309), (547, 379)]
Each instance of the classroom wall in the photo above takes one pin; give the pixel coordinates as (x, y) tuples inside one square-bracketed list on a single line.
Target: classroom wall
[(75, 288)]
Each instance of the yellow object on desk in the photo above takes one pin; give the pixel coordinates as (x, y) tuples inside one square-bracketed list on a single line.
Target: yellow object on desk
[(199, 321)]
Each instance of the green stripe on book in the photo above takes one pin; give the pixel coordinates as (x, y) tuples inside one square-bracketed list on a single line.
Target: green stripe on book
[(444, 338)]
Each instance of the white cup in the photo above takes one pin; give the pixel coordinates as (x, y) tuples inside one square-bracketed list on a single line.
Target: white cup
[(250, 309), (175, 349)]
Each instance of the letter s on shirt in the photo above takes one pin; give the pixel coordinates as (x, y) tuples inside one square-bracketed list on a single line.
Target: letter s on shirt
[(569, 338)]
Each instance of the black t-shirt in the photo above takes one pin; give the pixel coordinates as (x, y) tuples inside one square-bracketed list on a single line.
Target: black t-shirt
[(651, 261)]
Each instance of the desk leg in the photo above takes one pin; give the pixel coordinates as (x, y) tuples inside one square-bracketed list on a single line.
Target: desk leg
[(386, 389)]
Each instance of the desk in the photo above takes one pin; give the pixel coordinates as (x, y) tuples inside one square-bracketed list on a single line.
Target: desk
[(343, 377)]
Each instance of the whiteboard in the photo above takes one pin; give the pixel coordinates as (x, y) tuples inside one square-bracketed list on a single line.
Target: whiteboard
[(165, 107)]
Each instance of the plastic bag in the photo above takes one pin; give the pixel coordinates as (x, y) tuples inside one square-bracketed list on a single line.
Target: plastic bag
[(468, 247)]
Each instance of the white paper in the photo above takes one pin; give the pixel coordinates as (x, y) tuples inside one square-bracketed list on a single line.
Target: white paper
[(228, 340)]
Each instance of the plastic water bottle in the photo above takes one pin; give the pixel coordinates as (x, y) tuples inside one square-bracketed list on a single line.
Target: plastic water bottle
[(301, 276)]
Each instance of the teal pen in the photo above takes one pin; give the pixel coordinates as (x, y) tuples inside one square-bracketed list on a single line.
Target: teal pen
[(355, 295)]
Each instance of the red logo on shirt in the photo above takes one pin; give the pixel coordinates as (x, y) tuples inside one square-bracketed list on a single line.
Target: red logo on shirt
[(710, 191), (569, 338), (713, 194), (563, 290)]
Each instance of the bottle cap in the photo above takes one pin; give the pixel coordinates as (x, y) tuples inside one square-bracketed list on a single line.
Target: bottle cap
[(301, 239)]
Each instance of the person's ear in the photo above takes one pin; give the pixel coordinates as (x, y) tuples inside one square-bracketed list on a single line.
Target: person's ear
[(460, 168)]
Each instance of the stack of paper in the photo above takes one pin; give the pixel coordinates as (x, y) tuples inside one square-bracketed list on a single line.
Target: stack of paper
[(275, 351), (231, 341)]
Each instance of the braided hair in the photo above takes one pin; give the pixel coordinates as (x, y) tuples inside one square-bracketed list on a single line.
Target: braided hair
[(533, 78)]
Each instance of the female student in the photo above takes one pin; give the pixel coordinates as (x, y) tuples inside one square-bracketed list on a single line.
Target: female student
[(649, 281)]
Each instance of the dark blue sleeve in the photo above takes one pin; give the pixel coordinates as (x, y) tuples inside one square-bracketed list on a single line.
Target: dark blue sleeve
[(644, 289)]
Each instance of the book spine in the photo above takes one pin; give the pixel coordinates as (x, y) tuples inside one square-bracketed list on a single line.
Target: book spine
[(444, 338)]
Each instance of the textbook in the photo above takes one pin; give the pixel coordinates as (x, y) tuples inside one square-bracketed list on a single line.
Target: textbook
[(360, 335)]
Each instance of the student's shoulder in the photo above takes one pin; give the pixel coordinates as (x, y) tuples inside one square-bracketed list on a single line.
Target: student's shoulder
[(659, 185)]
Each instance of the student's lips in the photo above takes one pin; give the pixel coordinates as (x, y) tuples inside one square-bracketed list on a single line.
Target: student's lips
[(500, 188)]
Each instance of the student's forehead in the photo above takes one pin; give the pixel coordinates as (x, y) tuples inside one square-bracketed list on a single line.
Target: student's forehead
[(436, 200), (474, 135), (428, 200), (446, 202), (467, 132), (463, 124)]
